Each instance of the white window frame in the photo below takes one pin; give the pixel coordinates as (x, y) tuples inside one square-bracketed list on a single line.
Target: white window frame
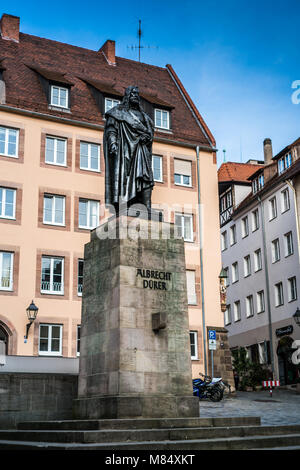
[(160, 180), (257, 260), (260, 301), (249, 306), (114, 101), (237, 311), (185, 217), (10, 287), (285, 200), (51, 291), (79, 292), (192, 297), (262, 353), (235, 272), (49, 352), (56, 139), (227, 281), (292, 288), (194, 334), (3, 203), (272, 208), (181, 183), (88, 215), (224, 240), (168, 118), (288, 241), (233, 235), (247, 266), (6, 154), (54, 198), (275, 250), (255, 220), (227, 315), (89, 167), (279, 298), (59, 93), (245, 227)]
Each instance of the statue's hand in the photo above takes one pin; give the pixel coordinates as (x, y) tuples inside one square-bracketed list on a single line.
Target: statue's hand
[(145, 139)]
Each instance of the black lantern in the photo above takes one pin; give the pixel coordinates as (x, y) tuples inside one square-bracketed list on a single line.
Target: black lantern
[(223, 274), (296, 316), (32, 312)]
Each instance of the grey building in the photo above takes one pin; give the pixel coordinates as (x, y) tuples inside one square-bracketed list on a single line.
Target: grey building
[(260, 253)]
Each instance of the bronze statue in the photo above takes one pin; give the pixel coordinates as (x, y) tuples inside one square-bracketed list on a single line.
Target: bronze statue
[(128, 137)]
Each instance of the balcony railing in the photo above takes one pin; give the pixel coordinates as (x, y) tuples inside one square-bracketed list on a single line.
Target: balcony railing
[(52, 287)]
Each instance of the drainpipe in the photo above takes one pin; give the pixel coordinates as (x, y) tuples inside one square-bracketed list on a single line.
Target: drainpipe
[(290, 183), (267, 283), (201, 262)]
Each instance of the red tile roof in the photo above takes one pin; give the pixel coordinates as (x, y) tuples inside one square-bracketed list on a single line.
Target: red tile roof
[(237, 172), (34, 56)]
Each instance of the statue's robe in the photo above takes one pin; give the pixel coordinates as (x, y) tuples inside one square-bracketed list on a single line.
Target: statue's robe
[(130, 171)]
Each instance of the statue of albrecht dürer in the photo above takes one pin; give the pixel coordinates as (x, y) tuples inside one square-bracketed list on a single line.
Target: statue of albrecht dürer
[(128, 137)]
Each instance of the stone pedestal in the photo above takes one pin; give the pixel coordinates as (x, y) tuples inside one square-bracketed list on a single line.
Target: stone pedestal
[(135, 347)]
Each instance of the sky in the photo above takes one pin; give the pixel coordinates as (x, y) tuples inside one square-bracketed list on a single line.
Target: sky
[(238, 59)]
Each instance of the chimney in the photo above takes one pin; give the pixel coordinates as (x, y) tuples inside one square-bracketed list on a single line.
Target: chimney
[(268, 151), (109, 51), (10, 27)]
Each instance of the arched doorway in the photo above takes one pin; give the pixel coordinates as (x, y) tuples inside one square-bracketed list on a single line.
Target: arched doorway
[(287, 370), (4, 338)]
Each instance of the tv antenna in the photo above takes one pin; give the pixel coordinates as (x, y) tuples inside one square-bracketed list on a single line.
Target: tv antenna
[(139, 47)]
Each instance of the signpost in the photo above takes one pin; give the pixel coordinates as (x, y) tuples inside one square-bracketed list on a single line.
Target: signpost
[(212, 345)]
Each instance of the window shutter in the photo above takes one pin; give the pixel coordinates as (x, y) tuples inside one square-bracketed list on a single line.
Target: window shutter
[(183, 167), (191, 287)]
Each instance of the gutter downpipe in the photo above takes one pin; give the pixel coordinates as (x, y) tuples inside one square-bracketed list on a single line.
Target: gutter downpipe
[(290, 183), (201, 261), (267, 284)]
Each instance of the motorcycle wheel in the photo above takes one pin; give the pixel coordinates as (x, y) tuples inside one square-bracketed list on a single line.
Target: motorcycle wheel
[(215, 395)]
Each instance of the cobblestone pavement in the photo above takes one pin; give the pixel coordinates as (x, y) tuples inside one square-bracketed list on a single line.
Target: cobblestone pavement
[(282, 408)]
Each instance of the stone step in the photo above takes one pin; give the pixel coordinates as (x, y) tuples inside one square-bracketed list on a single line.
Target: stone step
[(95, 424), (232, 443), (133, 436)]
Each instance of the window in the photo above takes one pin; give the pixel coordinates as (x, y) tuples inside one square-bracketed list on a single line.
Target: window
[(292, 289), (59, 96), (224, 241), (183, 173), (6, 270), (272, 208), (110, 103), (235, 272), (249, 306), (247, 266), (257, 260), (284, 162), (9, 141), (80, 277), (78, 340), (264, 352), (245, 227), (226, 278), (255, 220), (56, 151), (289, 248), (50, 340), (191, 287), (184, 227), (157, 168), (227, 315), (54, 210), (194, 345), (232, 235), (52, 281), (275, 250), (258, 183), (285, 200), (162, 119), (260, 301), (278, 294), (88, 214), (89, 156), (7, 203), (226, 201), (237, 310)]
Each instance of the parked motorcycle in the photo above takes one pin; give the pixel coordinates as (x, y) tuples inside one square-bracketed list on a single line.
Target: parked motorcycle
[(219, 383), (205, 389)]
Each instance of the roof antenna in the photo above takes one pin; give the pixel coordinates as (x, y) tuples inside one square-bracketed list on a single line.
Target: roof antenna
[(139, 47)]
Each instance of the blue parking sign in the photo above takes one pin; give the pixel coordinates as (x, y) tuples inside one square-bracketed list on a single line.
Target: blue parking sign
[(212, 334)]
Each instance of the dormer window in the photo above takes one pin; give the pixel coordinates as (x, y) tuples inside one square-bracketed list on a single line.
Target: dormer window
[(59, 96), (110, 103), (162, 119), (284, 163), (258, 183)]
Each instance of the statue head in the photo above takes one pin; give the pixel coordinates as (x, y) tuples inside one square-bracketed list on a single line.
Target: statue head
[(131, 97)]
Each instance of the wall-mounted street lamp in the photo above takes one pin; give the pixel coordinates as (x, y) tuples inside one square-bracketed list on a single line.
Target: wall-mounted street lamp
[(31, 312), (296, 316)]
